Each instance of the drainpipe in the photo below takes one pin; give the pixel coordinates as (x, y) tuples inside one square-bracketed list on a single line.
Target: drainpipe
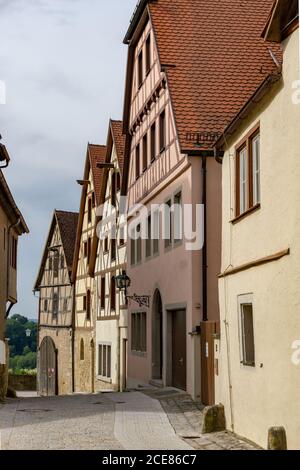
[(12, 226), (204, 249), (73, 338)]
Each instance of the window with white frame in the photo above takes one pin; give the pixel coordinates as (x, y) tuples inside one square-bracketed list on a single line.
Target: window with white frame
[(248, 173), (104, 360)]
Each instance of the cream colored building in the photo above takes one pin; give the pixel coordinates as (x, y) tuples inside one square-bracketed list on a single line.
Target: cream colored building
[(55, 319), (84, 299), (12, 225), (108, 261), (258, 377)]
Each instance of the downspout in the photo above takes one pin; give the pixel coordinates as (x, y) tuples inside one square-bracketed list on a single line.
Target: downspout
[(12, 226), (204, 249), (73, 338)]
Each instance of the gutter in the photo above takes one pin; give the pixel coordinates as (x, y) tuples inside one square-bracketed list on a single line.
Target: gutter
[(259, 94)]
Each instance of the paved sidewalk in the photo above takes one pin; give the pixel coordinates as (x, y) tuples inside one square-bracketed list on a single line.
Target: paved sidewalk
[(186, 417)]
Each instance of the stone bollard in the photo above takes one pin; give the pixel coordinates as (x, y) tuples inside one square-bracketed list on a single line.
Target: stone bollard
[(213, 419), (277, 438)]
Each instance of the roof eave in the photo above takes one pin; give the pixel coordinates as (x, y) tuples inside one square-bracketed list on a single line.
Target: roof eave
[(259, 94)]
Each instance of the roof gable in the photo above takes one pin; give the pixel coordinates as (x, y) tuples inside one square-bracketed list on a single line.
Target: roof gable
[(213, 56), (95, 154), (67, 225)]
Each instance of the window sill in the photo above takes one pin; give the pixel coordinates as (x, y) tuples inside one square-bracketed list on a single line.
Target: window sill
[(248, 364), (104, 379), (245, 214), (139, 353)]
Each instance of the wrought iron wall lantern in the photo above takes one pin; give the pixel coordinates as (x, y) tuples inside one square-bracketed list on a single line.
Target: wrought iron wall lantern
[(123, 282)]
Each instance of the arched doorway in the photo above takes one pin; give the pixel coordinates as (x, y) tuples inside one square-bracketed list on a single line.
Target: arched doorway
[(157, 337), (48, 367)]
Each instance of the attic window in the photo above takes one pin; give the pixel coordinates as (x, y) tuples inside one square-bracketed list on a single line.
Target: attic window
[(90, 210)]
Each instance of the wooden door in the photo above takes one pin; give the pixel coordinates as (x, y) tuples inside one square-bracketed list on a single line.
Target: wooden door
[(48, 368), (179, 349)]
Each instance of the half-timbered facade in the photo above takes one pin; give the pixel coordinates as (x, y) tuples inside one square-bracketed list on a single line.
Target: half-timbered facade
[(12, 225), (84, 307), (108, 261), (55, 319), (176, 105)]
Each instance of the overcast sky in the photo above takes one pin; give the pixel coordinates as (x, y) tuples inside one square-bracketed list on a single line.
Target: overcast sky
[(63, 63)]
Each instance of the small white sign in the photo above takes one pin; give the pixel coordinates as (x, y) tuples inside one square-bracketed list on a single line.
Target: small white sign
[(2, 352), (206, 350)]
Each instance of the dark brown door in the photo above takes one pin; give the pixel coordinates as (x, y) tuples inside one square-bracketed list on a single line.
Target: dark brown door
[(48, 367), (208, 330), (179, 349)]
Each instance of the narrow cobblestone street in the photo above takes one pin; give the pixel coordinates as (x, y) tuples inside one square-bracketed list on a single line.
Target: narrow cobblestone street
[(109, 421)]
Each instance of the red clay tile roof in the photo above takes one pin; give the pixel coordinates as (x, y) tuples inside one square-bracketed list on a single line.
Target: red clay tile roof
[(215, 58), (119, 140), (97, 154), (67, 222)]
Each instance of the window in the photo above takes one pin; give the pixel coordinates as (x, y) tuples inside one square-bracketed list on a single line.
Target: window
[(145, 152), (46, 305), (62, 262), (88, 305), (140, 69), (256, 168), (137, 161), (13, 253), (168, 224), (162, 131), (139, 332), (89, 249), (148, 54), (113, 293), (138, 244), (104, 360), (118, 183), (153, 142), (155, 232), (55, 263), (113, 249), (50, 263), (93, 200), (149, 237), (84, 303), (113, 189), (132, 251), (178, 219), (85, 249), (102, 303), (81, 349), (106, 244), (55, 304), (248, 174), (90, 210), (65, 305), (247, 334)]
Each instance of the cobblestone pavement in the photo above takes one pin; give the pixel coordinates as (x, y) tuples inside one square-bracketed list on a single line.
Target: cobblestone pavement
[(186, 417), (109, 421)]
